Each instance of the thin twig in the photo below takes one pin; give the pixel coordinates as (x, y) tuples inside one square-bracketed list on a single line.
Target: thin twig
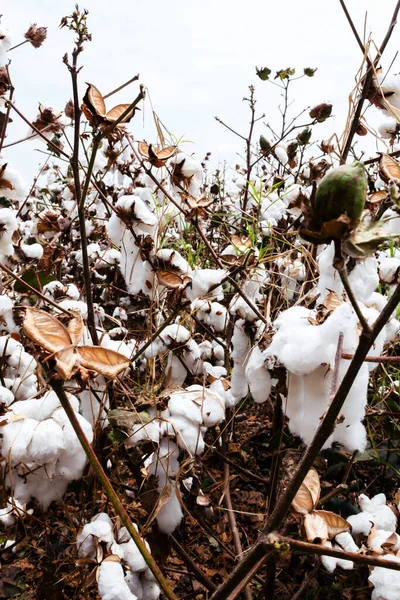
[(121, 87)]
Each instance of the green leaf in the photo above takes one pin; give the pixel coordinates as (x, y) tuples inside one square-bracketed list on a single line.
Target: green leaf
[(309, 71), (35, 279), (263, 73)]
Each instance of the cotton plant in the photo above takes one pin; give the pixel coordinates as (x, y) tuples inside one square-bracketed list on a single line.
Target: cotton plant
[(122, 572)]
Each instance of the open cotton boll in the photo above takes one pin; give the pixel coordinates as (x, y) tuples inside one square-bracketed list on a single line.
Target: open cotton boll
[(173, 258), (272, 211), (170, 515), (212, 409), (387, 128), (241, 347), (346, 542), (217, 372), (360, 523), (213, 314), (329, 279), (202, 281), (6, 311), (364, 278), (385, 581), (32, 250), (188, 434), (174, 333), (141, 431), (330, 562), (16, 439), (390, 86), (47, 442), (378, 512), (150, 589), (175, 370), (111, 582), (131, 555), (391, 221), (258, 378), (281, 154), (8, 225), (13, 188), (100, 527), (75, 305), (181, 403), (6, 396)]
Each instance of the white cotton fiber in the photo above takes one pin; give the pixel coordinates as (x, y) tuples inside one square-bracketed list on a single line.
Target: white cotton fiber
[(47, 442), (202, 281), (170, 515), (111, 582), (385, 581), (258, 377)]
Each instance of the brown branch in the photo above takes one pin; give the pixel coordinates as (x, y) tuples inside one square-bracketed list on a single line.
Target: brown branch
[(377, 359), (39, 133), (367, 84)]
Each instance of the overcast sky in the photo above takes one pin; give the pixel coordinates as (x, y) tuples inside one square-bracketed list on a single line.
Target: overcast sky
[(197, 60)]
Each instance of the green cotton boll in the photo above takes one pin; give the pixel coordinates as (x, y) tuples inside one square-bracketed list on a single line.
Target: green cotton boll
[(342, 192)]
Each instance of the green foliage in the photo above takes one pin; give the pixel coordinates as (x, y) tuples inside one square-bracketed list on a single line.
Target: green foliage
[(263, 73)]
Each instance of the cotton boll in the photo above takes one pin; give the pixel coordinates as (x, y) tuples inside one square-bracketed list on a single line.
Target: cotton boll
[(388, 128), (241, 349), (202, 281), (100, 527), (180, 404), (132, 556), (6, 311), (360, 523), (111, 582), (346, 542), (391, 221), (281, 154), (34, 251), (8, 225), (329, 562), (135, 585), (212, 409), (216, 372), (364, 278), (6, 396), (176, 371), (258, 378), (329, 279), (378, 512), (16, 439), (139, 432), (47, 442), (385, 581), (170, 515), (75, 305), (188, 434), (151, 590)]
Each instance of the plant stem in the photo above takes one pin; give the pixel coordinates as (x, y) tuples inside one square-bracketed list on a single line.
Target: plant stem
[(57, 386)]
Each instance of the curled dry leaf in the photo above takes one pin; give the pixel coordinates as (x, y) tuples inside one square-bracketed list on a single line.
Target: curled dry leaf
[(308, 493), (316, 528), (335, 523), (155, 155), (171, 280), (389, 169), (377, 197), (50, 334)]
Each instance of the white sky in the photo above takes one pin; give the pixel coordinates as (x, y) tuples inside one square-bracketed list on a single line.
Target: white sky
[(197, 60)]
